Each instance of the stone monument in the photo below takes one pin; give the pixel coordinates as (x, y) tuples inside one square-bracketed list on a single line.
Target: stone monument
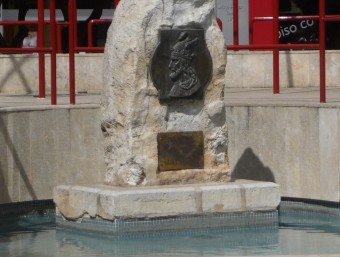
[(161, 86), (164, 125)]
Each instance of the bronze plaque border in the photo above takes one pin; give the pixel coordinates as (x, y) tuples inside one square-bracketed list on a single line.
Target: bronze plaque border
[(180, 150)]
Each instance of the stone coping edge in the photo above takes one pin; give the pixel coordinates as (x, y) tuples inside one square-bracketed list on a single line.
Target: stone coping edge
[(74, 202), (47, 108)]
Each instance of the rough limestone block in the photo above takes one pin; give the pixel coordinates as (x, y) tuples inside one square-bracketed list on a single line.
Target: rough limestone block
[(60, 194), (84, 199), (221, 198), (261, 196), (133, 115), (75, 202), (106, 204), (61, 199), (149, 202)]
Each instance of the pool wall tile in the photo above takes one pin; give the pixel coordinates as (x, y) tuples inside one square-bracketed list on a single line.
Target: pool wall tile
[(131, 227)]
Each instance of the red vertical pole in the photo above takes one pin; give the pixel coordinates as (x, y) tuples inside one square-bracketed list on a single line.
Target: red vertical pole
[(235, 22), (59, 38), (90, 34), (41, 44), (115, 3), (75, 21), (220, 23), (71, 46), (322, 40), (53, 53), (276, 58)]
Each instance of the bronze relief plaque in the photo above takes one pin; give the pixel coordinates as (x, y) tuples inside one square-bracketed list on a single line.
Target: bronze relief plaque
[(181, 65), (180, 150)]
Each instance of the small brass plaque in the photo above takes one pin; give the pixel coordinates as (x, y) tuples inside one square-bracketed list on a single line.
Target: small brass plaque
[(180, 150)]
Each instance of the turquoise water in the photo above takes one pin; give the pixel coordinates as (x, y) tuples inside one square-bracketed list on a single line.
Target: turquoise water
[(36, 235)]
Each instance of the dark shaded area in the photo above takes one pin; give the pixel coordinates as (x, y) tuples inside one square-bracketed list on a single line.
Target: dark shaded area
[(25, 220), (16, 209), (82, 26), (317, 202), (308, 32), (249, 166)]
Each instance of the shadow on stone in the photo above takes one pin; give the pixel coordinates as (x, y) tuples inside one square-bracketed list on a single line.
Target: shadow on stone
[(18, 69), (4, 194), (249, 166), (17, 161)]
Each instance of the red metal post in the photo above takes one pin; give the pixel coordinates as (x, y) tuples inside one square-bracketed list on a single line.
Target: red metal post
[(322, 41), (59, 36), (235, 22), (71, 46), (115, 3), (262, 32), (220, 23), (90, 33), (276, 58), (40, 45), (75, 22), (53, 53)]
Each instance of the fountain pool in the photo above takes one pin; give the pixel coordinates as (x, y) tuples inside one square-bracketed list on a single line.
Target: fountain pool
[(305, 228)]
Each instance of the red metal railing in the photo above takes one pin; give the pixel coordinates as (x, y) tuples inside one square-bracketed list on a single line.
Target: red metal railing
[(73, 47), (41, 49), (275, 47), (55, 45), (53, 53)]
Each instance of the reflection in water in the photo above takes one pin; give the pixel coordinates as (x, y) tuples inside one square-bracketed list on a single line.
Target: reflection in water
[(188, 243), (299, 233)]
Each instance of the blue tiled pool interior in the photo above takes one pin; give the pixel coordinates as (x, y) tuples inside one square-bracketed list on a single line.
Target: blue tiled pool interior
[(305, 227)]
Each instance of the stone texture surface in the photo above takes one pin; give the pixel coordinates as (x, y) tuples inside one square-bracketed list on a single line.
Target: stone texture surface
[(132, 113), (260, 196), (296, 147), (46, 147), (18, 77), (222, 198), (151, 202), (19, 73), (299, 151), (298, 69), (109, 202), (329, 156)]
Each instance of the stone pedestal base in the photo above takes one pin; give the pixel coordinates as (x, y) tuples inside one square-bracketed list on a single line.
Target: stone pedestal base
[(187, 206)]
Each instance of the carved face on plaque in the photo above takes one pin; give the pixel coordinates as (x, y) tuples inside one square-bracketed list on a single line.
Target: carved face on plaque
[(181, 64)]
